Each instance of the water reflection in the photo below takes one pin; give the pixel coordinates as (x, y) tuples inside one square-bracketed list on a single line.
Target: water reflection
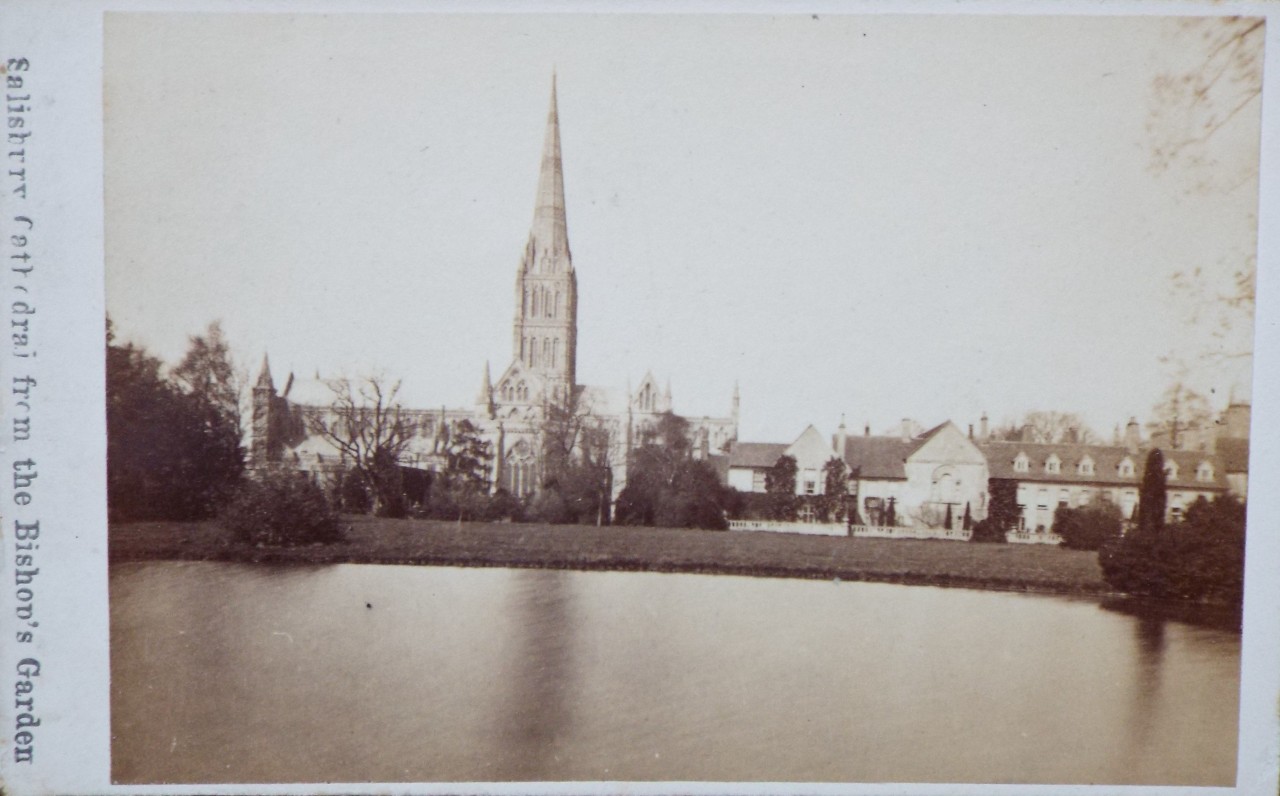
[(538, 677), (1215, 617)]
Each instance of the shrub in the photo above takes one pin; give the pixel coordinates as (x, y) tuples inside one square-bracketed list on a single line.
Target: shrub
[(281, 507), (352, 495), (1088, 527), (987, 531), (1200, 558)]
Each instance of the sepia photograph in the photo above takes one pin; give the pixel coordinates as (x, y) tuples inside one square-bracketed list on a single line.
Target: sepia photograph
[(678, 398)]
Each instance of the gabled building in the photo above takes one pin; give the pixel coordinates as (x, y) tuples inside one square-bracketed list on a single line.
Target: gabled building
[(921, 476)]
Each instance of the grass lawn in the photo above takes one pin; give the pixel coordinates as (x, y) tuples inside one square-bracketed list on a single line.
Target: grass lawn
[(383, 541)]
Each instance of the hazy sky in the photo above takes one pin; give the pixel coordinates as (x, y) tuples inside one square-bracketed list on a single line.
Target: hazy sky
[(879, 216)]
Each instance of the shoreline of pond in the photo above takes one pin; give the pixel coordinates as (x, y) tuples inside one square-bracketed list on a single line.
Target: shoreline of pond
[(1028, 569), (1019, 568)]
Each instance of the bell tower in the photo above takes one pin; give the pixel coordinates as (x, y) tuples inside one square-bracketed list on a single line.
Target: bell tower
[(545, 331)]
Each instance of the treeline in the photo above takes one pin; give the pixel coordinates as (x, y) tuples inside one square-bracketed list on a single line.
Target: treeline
[(1200, 557), (175, 452), (173, 438)]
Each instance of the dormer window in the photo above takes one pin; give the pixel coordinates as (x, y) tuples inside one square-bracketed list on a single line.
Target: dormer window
[(1204, 472), (1085, 467), (1126, 467), (1171, 469), (1053, 464), (1021, 464)]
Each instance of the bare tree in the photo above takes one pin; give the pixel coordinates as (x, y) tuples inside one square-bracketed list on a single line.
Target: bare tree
[(1180, 409), (1047, 427), (1054, 426), (578, 456), (366, 424), (1224, 78)]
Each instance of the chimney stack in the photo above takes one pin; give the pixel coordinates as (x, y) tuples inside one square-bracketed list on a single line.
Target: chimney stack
[(1132, 437), (841, 437), (866, 430), (906, 429), (971, 432), (984, 430)]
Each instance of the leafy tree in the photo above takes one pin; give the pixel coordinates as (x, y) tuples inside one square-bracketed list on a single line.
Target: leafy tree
[(171, 454), (780, 485), (1153, 495), (835, 499), (367, 425), (967, 523), (1088, 527), (1200, 558), (891, 514), (1002, 512), (667, 487), (462, 490), (948, 522), (209, 371)]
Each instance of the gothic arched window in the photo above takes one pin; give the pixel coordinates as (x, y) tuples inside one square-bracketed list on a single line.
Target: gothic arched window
[(533, 346), (535, 302), (555, 352), (556, 313), (546, 352)]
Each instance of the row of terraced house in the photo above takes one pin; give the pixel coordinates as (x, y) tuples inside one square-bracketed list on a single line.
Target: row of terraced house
[(916, 481)]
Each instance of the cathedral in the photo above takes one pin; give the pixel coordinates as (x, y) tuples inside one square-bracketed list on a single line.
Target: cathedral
[(511, 412)]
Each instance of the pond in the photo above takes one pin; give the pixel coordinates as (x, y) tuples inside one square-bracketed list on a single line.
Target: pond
[(249, 673)]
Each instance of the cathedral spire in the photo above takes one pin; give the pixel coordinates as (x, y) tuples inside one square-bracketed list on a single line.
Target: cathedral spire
[(545, 333), (549, 237), (264, 376)]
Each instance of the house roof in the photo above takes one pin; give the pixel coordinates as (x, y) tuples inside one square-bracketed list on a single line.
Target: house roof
[(1106, 464), (756, 455), (879, 457)]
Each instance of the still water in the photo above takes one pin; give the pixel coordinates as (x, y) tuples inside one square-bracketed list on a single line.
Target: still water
[(245, 673)]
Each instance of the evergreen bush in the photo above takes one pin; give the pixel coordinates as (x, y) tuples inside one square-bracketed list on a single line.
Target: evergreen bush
[(281, 507), (1088, 527)]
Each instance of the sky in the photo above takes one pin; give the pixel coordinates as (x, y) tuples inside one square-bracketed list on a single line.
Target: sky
[(869, 217)]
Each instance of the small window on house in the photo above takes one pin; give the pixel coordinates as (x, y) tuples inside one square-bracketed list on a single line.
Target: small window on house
[(757, 481), (1022, 463), (1053, 464), (1126, 467), (1085, 467), (1204, 472), (1171, 469)]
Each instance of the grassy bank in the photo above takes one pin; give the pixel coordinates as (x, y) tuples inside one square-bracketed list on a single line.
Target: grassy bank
[(380, 541)]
